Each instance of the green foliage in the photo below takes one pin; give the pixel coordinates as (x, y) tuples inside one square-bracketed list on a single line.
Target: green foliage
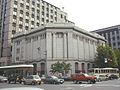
[(60, 67), (106, 52)]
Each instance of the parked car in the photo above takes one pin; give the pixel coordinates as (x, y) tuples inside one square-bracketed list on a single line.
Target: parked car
[(32, 79), (53, 80), (3, 79), (113, 77), (101, 78), (15, 79), (22, 88), (66, 78), (79, 78)]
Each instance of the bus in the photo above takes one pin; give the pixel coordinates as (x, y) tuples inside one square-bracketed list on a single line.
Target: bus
[(106, 72), (16, 70)]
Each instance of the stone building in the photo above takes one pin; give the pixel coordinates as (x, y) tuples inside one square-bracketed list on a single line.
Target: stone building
[(50, 43)]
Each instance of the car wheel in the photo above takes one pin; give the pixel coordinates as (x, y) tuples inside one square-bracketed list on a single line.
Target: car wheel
[(9, 82), (24, 83), (33, 83), (39, 83), (93, 81), (89, 81)]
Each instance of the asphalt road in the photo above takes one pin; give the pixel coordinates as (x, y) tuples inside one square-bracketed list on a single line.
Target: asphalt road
[(104, 85)]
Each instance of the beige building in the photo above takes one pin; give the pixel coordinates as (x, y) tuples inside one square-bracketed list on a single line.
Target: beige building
[(24, 15), (48, 44)]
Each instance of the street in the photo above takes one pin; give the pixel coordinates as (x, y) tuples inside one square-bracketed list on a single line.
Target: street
[(104, 85)]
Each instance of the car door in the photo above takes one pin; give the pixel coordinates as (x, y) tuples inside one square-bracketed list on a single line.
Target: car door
[(29, 80)]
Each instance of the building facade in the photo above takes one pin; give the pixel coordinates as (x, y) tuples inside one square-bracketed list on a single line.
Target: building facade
[(23, 15), (48, 44), (112, 35)]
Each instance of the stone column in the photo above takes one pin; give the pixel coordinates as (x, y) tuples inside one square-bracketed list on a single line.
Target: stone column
[(65, 51), (70, 45), (54, 46)]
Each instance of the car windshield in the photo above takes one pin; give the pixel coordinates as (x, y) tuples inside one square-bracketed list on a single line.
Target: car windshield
[(86, 74), (36, 76), (54, 77)]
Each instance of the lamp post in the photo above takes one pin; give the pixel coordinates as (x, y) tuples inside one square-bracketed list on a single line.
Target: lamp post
[(45, 62)]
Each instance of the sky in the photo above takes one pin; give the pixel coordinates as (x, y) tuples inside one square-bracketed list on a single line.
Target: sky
[(91, 14)]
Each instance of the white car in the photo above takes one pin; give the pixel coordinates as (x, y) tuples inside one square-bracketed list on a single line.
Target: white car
[(3, 79), (32, 79)]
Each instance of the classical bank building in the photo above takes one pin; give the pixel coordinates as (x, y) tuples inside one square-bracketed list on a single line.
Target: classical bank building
[(50, 43)]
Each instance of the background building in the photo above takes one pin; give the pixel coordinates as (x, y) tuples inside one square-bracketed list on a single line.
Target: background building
[(23, 15), (48, 44), (112, 35)]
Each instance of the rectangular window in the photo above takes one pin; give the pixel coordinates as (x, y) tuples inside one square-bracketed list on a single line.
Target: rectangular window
[(38, 17), (27, 1), (32, 22), (17, 58), (15, 2), (27, 7), (21, 19), (26, 27), (38, 5), (26, 20), (15, 9), (20, 26), (21, 11), (18, 50), (21, 5)]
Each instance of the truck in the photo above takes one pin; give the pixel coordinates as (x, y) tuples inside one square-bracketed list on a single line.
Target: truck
[(79, 78)]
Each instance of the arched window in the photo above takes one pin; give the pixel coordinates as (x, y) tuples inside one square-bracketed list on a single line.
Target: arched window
[(77, 67), (42, 68), (83, 67), (88, 66), (34, 68)]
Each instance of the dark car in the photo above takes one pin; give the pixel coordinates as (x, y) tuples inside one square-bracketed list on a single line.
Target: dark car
[(53, 80), (15, 79), (66, 78), (113, 77)]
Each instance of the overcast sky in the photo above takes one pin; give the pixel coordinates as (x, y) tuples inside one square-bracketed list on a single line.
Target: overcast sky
[(91, 14)]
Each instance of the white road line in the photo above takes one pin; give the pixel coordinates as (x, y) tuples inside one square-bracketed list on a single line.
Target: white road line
[(78, 85), (108, 85)]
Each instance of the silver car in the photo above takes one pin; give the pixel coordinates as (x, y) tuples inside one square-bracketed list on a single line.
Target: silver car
[(32, 79), (3, 79)]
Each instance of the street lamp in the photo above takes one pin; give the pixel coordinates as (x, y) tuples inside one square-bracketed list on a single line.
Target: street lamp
[(45, 62)]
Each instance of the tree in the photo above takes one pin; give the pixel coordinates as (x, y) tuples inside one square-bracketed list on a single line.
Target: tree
[(105, 53), (60, 67), (116, 57), (66, 67)]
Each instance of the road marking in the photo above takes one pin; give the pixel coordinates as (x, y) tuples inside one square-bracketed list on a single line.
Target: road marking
[(78, 85), (108, 85)]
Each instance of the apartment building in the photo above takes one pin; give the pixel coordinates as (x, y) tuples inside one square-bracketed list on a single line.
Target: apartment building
[(112, 35), (24, 15), (48, 44)]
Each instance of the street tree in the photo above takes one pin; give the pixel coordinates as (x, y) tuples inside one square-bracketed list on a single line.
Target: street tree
[(62, 67), (105, 57)]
